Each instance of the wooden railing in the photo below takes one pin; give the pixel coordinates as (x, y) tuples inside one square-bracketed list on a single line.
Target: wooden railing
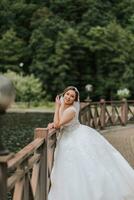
[(26, 174), (107, 113)]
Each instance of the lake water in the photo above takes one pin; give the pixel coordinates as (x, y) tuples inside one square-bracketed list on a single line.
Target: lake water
[(17, 129)]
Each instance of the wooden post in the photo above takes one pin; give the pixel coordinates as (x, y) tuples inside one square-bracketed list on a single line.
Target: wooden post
[(3, 178), (95, 117), (42, 189), (28, 193), (102, 113), (124, 112), (44, 174), (18, 190), (113, 116)]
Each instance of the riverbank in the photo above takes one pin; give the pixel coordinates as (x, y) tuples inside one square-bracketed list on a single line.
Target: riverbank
[(22, 107)]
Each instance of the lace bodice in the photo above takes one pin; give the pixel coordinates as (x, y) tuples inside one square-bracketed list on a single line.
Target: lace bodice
[(74, 123)]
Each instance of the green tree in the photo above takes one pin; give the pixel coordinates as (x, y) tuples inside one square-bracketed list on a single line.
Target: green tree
[(123, 11), (110, 47), (69, 42), (12, 50), (22, 18), (6, 16), (43, 44)]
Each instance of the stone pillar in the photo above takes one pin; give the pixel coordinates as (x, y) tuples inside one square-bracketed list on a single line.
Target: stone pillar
[(7, 96)]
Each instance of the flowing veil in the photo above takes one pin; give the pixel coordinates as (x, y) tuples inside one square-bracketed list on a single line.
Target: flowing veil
[(76, 104)]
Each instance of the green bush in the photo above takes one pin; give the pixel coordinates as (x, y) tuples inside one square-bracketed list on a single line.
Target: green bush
[(28, 88)]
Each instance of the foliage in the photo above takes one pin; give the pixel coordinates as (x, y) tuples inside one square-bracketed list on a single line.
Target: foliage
[(70, 43), (28, 88), (111, 48), (11, 51), (17, 128)]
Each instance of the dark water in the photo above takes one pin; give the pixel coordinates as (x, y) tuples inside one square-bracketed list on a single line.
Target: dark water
[(17, 129)]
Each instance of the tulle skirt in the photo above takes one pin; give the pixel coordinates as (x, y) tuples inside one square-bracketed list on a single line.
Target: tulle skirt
[(87, 167)]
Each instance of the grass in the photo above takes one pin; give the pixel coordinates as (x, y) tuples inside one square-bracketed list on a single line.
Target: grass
[(41, 106)]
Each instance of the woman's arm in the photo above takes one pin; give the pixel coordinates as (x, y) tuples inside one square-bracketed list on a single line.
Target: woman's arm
[(57, 107), (56, 114), (68, 115)]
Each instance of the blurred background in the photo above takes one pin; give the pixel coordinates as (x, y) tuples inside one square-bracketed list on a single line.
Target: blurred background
[(47, 45)]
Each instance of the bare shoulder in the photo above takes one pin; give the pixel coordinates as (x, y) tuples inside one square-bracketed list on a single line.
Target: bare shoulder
[(70, 109)]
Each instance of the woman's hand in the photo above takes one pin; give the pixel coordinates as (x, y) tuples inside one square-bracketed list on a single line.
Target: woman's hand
[(56, 125), (50, 125), (57, 100), (53, 125)]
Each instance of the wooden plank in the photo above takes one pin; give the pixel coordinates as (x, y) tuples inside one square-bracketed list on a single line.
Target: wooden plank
[(50, 158), (27, 194), (25, 152), (18, 192), (4, 159), (14, 178), (43, 176), (35, 178), (40, 133), (20, 173), (44, 132), (3, 181)]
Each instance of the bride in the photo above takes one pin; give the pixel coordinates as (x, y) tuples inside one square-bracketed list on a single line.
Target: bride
[(86, 166)]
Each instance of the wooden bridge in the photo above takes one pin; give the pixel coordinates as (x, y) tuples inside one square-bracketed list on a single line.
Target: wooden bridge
[(26, 174)]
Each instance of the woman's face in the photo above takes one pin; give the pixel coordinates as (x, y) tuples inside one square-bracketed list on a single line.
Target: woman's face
[(69, 97)]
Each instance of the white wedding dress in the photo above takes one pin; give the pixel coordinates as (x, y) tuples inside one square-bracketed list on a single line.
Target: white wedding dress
[(87, 167)]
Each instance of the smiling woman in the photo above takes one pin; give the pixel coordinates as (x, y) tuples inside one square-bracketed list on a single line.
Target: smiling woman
[(85, 166), (69, 98)]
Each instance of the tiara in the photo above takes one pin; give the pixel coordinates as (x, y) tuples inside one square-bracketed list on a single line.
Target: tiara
[(74, 88)]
